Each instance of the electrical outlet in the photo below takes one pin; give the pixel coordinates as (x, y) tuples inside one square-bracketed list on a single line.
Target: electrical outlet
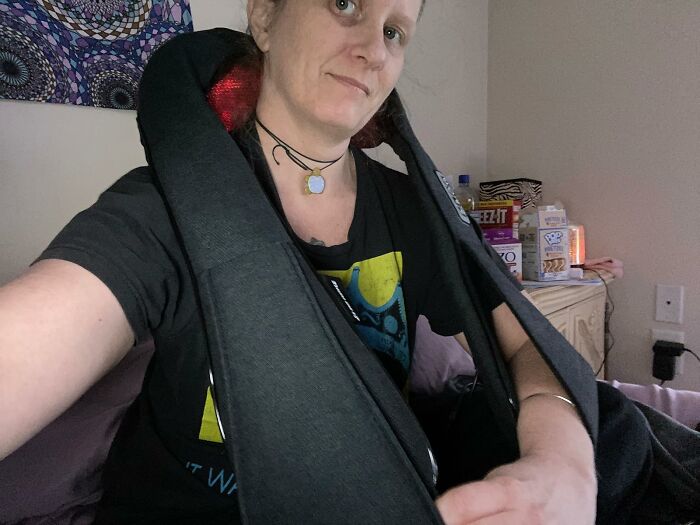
[(671, 336), (669, 303)]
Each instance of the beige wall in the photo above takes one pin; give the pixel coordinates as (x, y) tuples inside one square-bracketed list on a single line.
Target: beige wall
[(600, 99), (56, 159), (444, 85), (597, 98)]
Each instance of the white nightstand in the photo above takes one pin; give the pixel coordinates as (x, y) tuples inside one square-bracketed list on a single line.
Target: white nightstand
[(578, 313)]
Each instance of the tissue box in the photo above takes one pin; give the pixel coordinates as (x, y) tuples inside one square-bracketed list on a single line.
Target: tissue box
[(546, 246), (529, 191)]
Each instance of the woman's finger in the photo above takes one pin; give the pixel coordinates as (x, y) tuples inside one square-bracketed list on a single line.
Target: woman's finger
[(473, 501), (510, 517)]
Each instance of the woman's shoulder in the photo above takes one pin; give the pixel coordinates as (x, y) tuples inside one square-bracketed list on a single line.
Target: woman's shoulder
[(131, 211), (140, 180), (392, 184), (378, 166), (389, 179), (137, 193)]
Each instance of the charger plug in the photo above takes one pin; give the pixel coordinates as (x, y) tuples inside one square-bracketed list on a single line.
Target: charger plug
[(665, 359)]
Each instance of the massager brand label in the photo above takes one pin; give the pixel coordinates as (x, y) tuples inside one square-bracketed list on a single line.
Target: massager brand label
[(451, 194), (373, 288), (339, 290)]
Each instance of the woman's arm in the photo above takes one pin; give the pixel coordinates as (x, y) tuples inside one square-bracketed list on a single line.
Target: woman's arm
[(554, 481), (61, 329)]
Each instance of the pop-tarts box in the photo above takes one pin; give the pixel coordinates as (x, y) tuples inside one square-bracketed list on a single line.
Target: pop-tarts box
[(545, 238)]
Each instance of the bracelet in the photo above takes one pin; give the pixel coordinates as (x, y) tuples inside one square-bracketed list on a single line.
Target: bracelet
[(565, 399)]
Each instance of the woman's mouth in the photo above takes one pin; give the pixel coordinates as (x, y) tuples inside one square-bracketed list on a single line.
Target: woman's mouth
[(351, 82)]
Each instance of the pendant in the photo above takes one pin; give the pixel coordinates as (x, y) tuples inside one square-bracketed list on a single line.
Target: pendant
[(315, 183)]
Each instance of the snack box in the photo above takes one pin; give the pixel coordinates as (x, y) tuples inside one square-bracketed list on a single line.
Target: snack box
[(498, 219), (546, 245), (511, 252), (528, 191)]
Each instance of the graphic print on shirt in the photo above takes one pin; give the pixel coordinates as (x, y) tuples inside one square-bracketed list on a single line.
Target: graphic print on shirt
[(209, 428), (218, 477), (373, 287)]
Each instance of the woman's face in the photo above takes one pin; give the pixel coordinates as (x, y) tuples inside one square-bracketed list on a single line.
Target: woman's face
[(331, 63)]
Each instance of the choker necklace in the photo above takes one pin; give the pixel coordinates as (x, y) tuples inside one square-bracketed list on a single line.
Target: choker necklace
[(314, 181)]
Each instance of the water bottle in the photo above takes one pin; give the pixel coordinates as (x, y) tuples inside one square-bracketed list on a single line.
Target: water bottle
[(465, 195)]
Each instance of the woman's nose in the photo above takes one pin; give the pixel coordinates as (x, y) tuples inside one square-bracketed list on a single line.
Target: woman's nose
[(371, 46)]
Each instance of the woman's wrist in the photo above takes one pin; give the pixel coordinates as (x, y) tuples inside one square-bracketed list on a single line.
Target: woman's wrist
[(548, 426), (556, 396)]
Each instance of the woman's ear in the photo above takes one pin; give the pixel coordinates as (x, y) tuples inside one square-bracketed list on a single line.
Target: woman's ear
[(260, 16)]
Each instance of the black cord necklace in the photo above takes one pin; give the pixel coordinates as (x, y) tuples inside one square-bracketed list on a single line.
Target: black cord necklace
[(314, 181)]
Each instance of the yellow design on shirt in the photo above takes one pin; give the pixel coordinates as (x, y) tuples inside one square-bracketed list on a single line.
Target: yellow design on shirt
[(378, 277), (209, 430)]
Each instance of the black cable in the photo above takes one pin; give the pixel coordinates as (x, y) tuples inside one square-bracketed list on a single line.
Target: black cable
[(662, 383), (608, 339), (693, 354)]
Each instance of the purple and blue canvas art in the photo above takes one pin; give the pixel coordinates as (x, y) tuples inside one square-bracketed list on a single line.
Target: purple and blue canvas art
[(84, 52)]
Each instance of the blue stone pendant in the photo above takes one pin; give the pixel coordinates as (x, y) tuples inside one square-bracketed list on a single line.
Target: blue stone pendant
[(315, 183)]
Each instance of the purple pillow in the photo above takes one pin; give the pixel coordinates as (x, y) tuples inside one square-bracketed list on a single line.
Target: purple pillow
[(681, 405), (436, 359), (55, 477)]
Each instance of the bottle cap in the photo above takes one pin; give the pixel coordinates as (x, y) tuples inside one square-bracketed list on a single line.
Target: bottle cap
[(463, 179)]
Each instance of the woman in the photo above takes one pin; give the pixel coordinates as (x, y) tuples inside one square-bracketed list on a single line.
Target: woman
[(117, 273)]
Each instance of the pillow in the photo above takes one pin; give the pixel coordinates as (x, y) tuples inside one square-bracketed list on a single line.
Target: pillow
[(436, 360), (56, 476), (681, 405)]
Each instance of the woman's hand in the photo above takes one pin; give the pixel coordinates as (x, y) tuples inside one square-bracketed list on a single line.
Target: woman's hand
[(554, 482), (533, 490)]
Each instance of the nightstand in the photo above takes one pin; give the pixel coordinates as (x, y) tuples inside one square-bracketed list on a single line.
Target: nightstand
[(578, 313)]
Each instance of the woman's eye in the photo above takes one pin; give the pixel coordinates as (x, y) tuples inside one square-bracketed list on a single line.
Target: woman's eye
[(346, 7), (392, 34)]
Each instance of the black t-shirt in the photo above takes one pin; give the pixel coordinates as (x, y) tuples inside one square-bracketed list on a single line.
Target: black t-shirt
[(168, 462)]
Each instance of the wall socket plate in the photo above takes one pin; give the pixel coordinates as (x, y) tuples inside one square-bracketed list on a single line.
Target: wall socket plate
[(672, 336), (669, 303)]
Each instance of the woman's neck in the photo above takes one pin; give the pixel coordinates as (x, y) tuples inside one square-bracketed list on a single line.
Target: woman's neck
[(306, 142), (289, 177), (301, 131)]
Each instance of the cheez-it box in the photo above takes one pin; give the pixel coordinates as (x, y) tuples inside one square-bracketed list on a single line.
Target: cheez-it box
[(498, 219)]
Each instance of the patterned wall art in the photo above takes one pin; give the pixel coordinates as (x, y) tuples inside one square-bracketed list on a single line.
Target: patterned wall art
[(84, 52)]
